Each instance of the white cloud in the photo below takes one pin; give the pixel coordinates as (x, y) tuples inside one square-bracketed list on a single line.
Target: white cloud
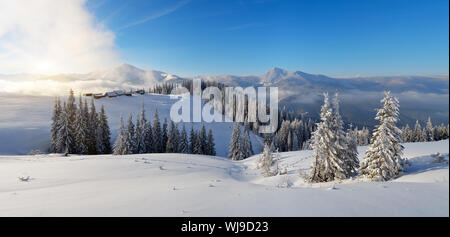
[(52, 36), (156, 15)]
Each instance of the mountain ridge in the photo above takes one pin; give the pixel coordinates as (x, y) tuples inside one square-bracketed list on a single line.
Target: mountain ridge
[(420, 96)]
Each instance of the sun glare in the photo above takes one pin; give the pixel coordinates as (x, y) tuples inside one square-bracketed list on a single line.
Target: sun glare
[(44, 67)]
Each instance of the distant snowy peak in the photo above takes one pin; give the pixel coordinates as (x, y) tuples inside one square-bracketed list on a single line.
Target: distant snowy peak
[(274, 75), (132, 75)]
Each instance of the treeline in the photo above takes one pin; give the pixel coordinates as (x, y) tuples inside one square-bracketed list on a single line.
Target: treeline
[(145, 137), (293, 135), (427, 134), (362, 136), (79, 129), (165, 88)]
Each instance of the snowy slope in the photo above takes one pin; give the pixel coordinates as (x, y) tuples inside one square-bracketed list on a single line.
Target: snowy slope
[(193, 185), (26, 124)]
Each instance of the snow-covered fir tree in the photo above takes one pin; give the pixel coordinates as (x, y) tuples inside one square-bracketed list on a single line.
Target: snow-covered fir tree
[(93, 125), (104, 133), (202, 138), (71, 110), (130, 138), (418, 133), (342, 150), (148, 138), (289, 141), (284, 136), (247, 149), (66, 134), (407, 134), (328, 159), (352, 151), (81, 129), (429, 130), (211, 145), (157, 134), (138, 132), (184, 142), (65, 139), (383, 157), (120, 143), (193, 141), (198, 143), (171, 139), (235, 149), (265, 161), (164, 135), (56, 125), (177, 138), (141, 122), (295, 144)]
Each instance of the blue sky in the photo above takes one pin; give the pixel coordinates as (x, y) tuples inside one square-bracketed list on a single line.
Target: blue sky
[(333, 37)]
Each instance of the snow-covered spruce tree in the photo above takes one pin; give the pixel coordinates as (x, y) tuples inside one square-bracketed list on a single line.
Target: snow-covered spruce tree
[(418, 134), (328, 163), (164, 135), (202, 138), (92, 131), (198, 143), (383, 157), (341, 143), (295, 146), (283, 144), (441, 132), (71, 111), (119, 145), (429, 131), (148, 138), (140, 132), (193, 141), (265, 161), (177, 139), (289, 141), (211, 145), (235, 149), (56, 125), (65, 140), (171, 141), (352, 150), (156, 132), (184, 143), (447, 133), (130, 138), (81, 128), (247, 149), (104, 133), (407, 134)]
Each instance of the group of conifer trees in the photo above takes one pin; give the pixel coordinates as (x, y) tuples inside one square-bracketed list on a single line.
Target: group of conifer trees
[(79, 129), (240, 144), (335, 151), (293, 135), (145, 137), (335, 154), (427, 134)]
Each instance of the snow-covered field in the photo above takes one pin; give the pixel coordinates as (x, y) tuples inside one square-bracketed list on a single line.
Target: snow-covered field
[(193, 185)]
